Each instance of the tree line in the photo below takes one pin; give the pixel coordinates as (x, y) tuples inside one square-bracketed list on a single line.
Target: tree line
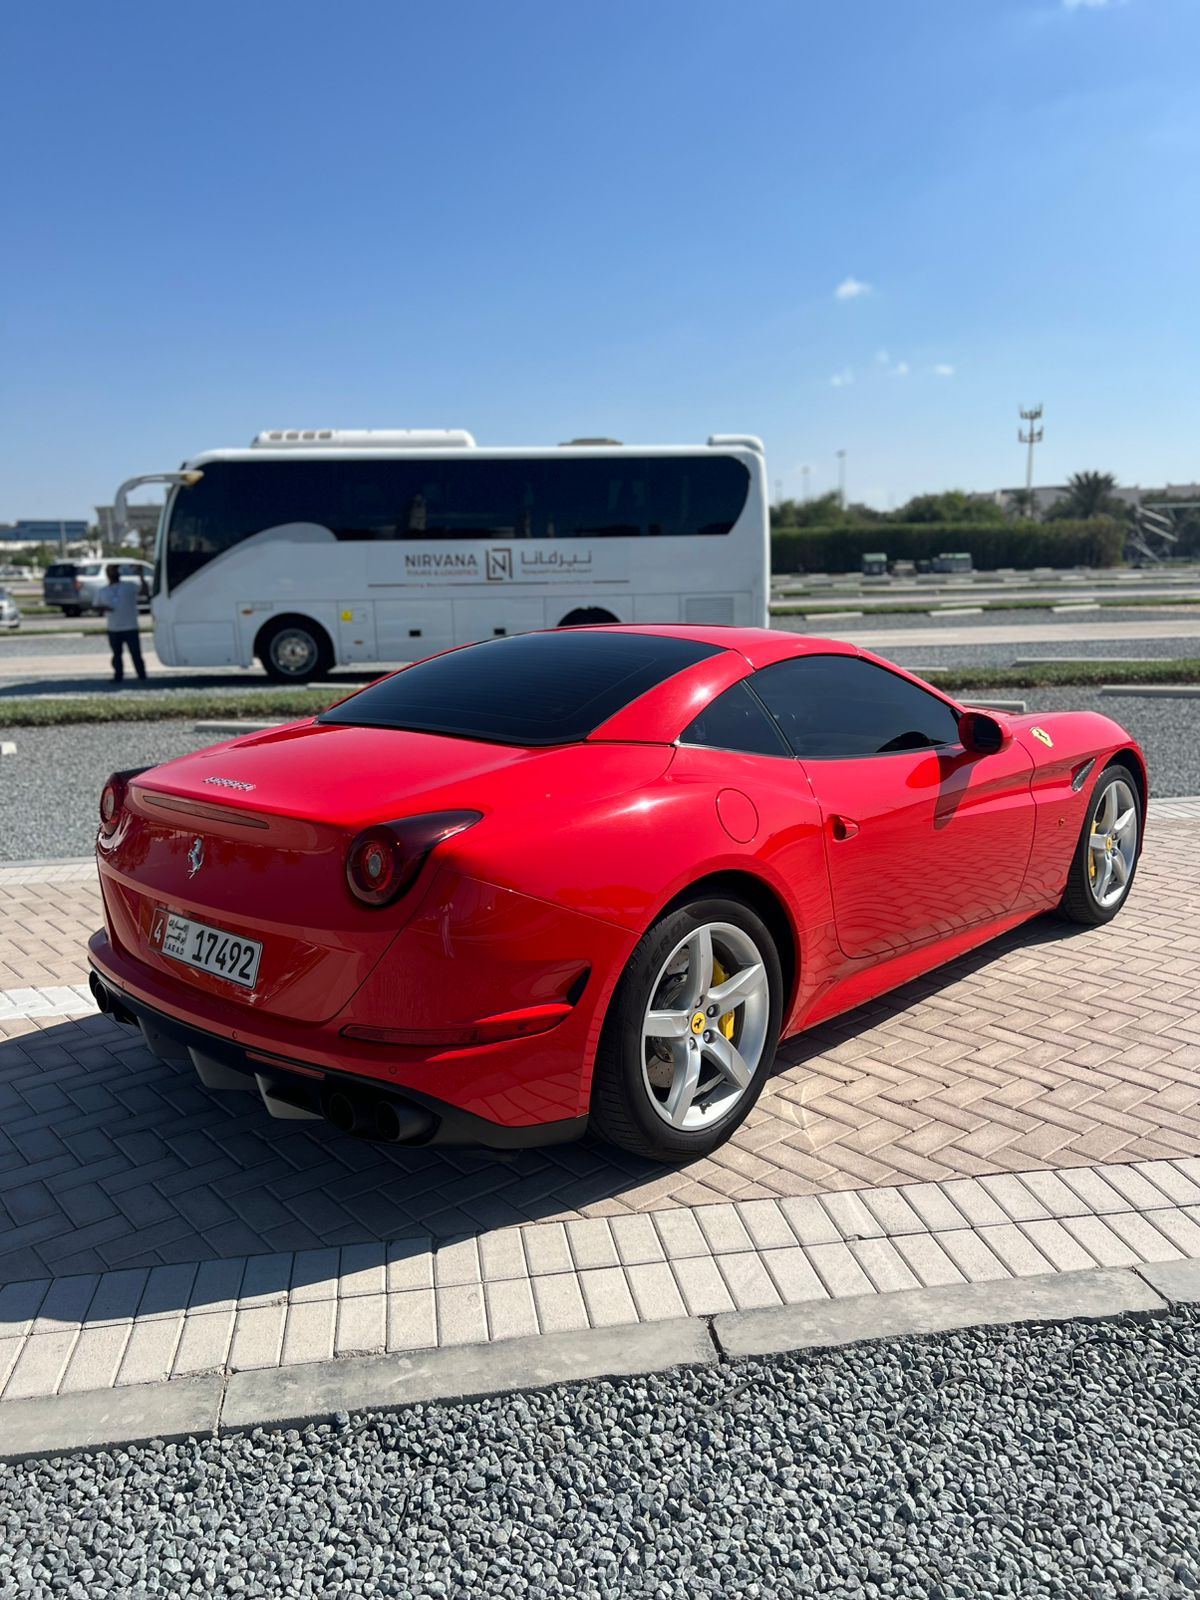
[(1088, 494)]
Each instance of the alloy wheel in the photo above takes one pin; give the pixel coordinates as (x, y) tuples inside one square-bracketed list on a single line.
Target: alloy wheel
[(1112, 844), (705, 1029)]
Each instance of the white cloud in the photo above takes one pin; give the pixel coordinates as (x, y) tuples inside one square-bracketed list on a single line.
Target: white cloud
[(900, 370), (882, 357), (943, 370), (1091, 5), (851, 289), (843, 379)]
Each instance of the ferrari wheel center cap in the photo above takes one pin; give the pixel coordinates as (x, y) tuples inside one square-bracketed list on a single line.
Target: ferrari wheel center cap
[(698, 1022)]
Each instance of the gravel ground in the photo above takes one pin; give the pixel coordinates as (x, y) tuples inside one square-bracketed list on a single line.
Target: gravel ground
[(1004, 655), (49, 790), (1031, 1462)]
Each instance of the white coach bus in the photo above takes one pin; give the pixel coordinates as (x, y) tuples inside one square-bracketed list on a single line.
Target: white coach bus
[(318, 548)]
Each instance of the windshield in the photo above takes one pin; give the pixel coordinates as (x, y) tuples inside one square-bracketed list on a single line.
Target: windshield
[(534, 689), (464, 498)]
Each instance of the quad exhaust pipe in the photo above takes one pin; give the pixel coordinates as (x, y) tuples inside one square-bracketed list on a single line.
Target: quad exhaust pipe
[(376, 1117), (363, 1116), (112, 1005)]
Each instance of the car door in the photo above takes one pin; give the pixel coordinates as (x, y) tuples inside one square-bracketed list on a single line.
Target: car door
[(922, 837)]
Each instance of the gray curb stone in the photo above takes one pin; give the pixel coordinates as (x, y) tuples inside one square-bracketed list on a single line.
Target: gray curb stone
[(288, 1395), (1153, 691), (1176, 1280), (1097, 1293), (294, 1395), (101, 1417)]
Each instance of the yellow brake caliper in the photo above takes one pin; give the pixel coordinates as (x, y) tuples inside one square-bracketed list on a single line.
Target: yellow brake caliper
[(1092, 855), (725, 1023)]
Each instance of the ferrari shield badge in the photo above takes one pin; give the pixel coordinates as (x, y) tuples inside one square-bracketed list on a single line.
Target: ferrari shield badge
[(1040, 733)]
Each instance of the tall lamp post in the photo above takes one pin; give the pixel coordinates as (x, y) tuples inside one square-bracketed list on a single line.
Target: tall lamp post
[(1035, 435), (841, 456)]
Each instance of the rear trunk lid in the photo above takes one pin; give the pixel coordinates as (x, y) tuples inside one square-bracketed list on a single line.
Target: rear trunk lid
[(250, 839)]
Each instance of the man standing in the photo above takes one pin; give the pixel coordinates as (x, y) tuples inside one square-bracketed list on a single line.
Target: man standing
[(119, 598)]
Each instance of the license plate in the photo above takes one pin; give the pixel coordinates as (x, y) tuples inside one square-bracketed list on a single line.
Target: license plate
[(226, 955)]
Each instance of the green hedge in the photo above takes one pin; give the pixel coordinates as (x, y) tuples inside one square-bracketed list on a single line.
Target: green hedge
[(1096, 542)]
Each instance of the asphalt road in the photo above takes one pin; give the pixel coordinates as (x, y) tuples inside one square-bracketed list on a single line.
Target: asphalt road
[(49, 790), (1045, 1463), (60, 665)]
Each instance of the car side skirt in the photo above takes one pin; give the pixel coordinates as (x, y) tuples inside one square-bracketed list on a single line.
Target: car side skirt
[(877, 977)]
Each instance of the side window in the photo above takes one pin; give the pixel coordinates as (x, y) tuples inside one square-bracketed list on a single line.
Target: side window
[(838, 706), (735, 721)]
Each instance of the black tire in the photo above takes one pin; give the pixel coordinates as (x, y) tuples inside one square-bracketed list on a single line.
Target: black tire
[(586, 617), (294, 650), (621, 1110), (1080, 902), (72, 611)]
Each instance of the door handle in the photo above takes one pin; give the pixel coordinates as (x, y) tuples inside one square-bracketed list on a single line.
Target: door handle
[(842, 828)]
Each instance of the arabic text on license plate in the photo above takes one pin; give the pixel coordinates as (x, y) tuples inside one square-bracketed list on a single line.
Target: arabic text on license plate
[(211, 950)]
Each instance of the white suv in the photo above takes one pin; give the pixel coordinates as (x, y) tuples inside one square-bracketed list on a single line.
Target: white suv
[(73, 585)]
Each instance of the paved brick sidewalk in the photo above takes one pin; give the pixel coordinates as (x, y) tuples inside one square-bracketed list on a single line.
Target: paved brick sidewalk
[(1046, 1048), (136, 1326)]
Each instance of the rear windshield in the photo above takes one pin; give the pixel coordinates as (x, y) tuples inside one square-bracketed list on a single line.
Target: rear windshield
[(535, 689), (61, 569)]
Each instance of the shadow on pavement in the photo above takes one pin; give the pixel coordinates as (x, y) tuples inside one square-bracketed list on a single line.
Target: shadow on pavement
[(111, 1160)]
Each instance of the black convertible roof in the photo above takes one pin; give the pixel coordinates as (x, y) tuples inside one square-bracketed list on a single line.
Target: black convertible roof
[(533, 689)]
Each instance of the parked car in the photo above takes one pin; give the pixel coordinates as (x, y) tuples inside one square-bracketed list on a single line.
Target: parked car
[(594, 874), (72, 585), (10, 616)]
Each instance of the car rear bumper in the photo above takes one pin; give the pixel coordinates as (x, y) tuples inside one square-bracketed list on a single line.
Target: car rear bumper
[(294, 1088), (471, 957)]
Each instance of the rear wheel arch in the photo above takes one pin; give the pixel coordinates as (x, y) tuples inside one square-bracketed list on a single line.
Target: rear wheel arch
[(586, 617), (766, 903)]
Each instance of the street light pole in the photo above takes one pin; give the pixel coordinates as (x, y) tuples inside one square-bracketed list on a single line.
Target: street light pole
[(804, 475), (1033, 416), (841, 456)]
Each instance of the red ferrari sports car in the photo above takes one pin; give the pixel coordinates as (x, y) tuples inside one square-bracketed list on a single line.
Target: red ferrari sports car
[(587, 877)]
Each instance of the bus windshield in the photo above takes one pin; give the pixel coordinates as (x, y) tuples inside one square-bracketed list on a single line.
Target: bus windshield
[(624, 496)]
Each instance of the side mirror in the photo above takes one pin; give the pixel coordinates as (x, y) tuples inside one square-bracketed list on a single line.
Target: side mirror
[(984, 733)]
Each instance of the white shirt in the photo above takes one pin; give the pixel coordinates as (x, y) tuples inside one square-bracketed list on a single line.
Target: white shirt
[(120, 601)]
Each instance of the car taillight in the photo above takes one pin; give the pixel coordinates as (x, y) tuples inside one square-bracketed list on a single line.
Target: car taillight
[(384, 861), (112, 797)]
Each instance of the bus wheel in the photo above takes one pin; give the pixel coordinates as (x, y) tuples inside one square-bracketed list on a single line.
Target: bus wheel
[(294, 650), (586, 616)]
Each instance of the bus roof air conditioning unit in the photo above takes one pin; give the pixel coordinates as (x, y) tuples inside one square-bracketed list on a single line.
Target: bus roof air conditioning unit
[(364, 439)]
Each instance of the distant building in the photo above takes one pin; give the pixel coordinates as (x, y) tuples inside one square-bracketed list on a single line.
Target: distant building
[(44, 530), (1047, 495), (142, 520)]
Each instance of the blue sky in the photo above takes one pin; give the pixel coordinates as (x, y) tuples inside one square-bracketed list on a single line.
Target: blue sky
[(540, 220)]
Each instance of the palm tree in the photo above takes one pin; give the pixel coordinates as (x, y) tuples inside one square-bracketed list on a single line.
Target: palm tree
[(1021, 501), (1089, 494)]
